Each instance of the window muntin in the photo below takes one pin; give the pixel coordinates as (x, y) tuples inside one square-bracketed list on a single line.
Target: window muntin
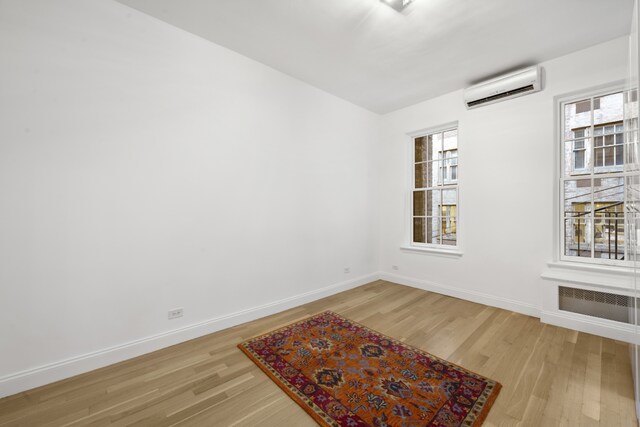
[(434, 197), (593, 179)]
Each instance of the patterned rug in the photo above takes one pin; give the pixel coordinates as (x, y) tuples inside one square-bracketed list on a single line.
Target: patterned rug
[(344, 374)]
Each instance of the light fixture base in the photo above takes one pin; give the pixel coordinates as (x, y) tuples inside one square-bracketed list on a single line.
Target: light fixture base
[(398, 5)]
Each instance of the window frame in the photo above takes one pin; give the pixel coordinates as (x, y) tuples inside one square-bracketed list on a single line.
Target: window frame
[(560, 177), (436, 248)]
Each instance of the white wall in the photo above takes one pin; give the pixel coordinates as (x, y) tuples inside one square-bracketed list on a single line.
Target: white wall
[(506, 179), (143, 169)]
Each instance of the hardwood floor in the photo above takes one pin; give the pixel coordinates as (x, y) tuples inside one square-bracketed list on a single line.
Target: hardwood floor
[(550, 376)]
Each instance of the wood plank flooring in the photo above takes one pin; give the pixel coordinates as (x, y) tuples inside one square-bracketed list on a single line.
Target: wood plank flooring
[(551, 376)]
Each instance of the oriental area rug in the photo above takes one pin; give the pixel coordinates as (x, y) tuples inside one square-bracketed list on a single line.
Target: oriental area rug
[(344, 374)]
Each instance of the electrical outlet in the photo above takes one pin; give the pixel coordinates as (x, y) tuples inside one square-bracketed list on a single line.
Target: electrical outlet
[(175, 313), (347, 270), (394, 267)]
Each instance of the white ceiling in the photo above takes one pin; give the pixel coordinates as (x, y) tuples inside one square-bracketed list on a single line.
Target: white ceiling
[(375, 57)]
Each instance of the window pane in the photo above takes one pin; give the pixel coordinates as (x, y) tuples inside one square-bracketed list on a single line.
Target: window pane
[(432, 202), (428, 174), (420, 149), (419, 206), (608, 218), (435, 178), (450, 140), (448, 224), (426, 230), (577, 191), (433, 230), (450, 196), (434, 144), (599, 157), (419, 230), (450, 239), (608, 156), (610, 109), (427, 148), (608, 190), (632, 183), (421, 175), (579, 159), (577, 217), (450, 160), (576, 232), (577, 119)]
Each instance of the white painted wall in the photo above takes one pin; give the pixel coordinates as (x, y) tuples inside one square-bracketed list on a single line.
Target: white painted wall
[(506, 181), (143, 169)]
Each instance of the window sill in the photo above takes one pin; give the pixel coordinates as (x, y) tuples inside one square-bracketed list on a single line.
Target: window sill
[(596, 275), (449, 253)]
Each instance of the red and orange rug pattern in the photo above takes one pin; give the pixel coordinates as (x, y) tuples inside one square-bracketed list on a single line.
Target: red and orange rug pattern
[(344, 374)]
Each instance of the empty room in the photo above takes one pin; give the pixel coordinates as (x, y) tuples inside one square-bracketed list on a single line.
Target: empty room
[(319, 212)]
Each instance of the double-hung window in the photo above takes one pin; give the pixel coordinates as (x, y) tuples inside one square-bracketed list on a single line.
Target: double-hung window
[(594, 178), (434, 192)]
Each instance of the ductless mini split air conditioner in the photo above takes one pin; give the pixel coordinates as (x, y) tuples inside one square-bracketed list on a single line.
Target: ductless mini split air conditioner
[(507, 86)]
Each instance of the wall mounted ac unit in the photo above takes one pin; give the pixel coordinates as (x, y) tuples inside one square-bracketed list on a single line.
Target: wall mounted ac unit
[(511, 85)]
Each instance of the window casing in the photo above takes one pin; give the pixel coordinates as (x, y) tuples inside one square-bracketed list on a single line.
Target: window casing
[(434, 189), (593, 178)]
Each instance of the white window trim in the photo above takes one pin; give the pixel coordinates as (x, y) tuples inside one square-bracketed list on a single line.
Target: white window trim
[(600, 276), (560, 261), (449, 253), (429, 248)]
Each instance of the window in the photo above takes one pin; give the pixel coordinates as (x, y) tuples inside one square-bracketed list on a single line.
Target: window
[(434, 198), (608, 144), (579, 151), (593, 179)]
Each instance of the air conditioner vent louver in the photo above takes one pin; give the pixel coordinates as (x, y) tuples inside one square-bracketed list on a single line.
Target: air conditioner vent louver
[(500, 96), (604, 305)]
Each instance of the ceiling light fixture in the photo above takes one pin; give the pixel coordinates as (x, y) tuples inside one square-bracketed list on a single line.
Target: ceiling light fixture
[(398, 5)]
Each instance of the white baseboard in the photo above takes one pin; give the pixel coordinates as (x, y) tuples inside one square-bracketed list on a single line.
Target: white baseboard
[(591, 325), (474, 296), (31, 378)]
